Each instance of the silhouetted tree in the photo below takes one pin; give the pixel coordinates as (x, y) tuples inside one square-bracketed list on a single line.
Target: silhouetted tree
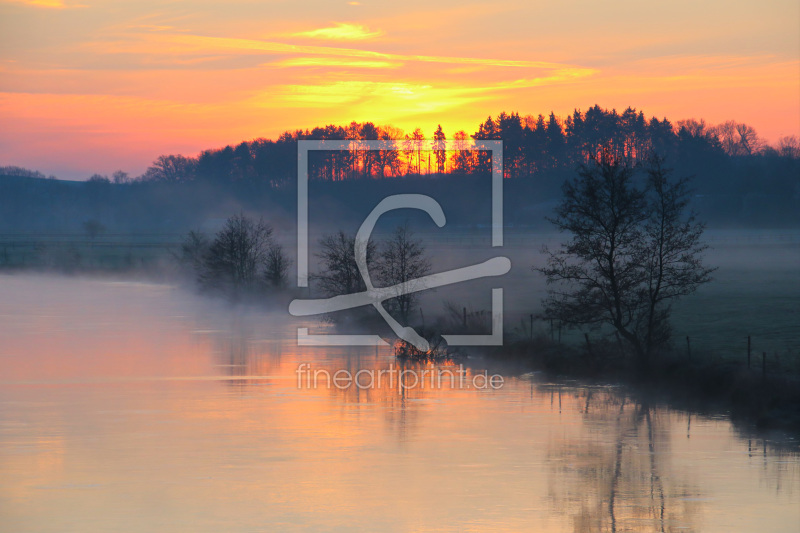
[(439, 139), (482, 158), (98, 179), (632, 252), (536, 152), (236, 258), (508, 127), (789, 146), (194, 249), (389, 159), (402, 259), (737, 139), (672, 247), (120, 177), (340, 274), (413, 145), (171, 168), (369, 132), (749, 141), (555, 141), (276, 266), (462, 161)]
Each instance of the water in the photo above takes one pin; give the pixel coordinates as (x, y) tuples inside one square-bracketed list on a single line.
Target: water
[(141, 407)]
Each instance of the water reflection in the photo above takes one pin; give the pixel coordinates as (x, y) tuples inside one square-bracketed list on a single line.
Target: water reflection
[(242, 349), (617, 473), (144, 409)]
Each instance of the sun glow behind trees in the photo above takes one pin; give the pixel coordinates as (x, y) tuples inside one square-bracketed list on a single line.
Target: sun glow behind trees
[(531, 145)]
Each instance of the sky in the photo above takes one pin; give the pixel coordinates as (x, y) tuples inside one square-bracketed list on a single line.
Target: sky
[(92, 86)]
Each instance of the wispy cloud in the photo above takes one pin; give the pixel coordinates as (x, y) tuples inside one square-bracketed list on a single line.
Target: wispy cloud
[(685, 63), (341, 31), (151, 27), (333, 62), (51, 4), (183, 43), (441, 89)]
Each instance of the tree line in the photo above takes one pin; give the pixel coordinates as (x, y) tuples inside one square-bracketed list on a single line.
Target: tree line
[(740, 180), (532, 145)]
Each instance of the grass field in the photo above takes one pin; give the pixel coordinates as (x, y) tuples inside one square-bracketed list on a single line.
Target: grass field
[(755, 291), (76, 253)]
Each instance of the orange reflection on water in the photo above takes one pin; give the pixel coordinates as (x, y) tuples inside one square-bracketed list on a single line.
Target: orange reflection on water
[(139, 407)]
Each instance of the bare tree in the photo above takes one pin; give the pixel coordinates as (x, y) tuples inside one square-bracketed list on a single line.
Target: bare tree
[(738, 139), (121, 177), (726, 133), (698, 128), (171, 168), (236, 257), (632, 252), (340, 273), (402, 259), (749, 141), (673, 251), (789, 146), (276, 266), (193, 250)]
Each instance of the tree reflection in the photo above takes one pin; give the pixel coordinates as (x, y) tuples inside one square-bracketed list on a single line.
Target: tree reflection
[(243, 348), (616, 475)]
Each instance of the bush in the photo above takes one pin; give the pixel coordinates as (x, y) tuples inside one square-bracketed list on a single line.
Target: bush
[(242, 258)]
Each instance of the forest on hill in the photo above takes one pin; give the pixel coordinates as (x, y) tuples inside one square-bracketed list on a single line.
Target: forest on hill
[(738, 179)]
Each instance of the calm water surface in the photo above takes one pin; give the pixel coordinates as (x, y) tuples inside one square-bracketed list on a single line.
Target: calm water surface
[(140, 407)]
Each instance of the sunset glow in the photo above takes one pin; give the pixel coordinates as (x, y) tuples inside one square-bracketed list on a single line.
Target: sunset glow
[(96, 86)]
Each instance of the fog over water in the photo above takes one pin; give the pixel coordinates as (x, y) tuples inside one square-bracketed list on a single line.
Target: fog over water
[(143, 406)]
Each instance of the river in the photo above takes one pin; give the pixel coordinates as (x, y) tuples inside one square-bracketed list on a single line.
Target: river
[(138, 406)]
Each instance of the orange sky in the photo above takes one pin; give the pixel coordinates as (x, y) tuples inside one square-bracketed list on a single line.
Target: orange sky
[(94, 86)]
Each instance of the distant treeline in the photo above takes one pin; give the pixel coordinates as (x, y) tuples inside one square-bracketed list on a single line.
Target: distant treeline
[(531, 145), (738, 178)]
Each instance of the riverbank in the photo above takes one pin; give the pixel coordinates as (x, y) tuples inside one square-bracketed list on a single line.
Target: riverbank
[(759, 397)]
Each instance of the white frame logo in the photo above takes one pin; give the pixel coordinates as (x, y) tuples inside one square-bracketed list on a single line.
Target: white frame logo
[(496, 266)]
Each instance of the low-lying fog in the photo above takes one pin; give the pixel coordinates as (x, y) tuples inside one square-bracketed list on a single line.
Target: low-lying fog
[(132, 405)]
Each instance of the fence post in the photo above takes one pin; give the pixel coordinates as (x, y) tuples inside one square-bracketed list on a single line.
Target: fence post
[(531, 331), (748, 352)]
